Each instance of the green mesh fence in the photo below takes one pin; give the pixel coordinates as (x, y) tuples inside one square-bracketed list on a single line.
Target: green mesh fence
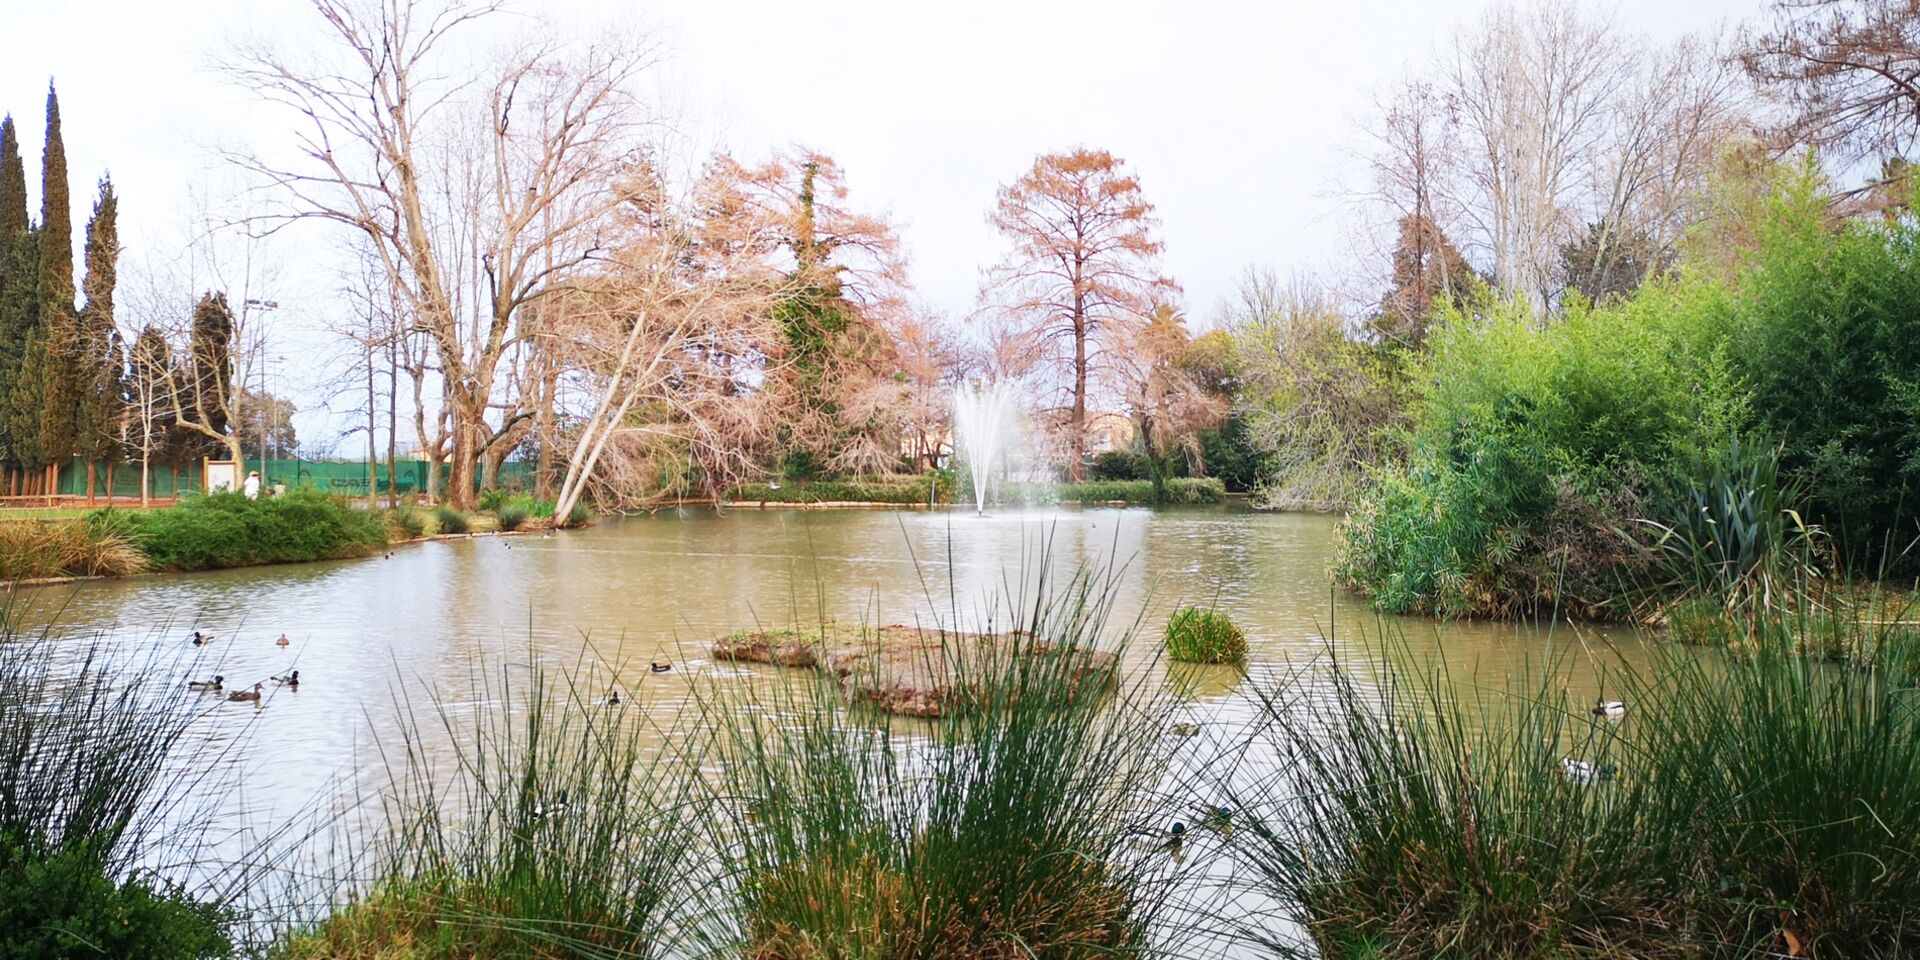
[(346, 478)]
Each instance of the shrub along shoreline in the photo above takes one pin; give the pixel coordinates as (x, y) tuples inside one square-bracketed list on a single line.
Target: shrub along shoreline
[(226, 530)]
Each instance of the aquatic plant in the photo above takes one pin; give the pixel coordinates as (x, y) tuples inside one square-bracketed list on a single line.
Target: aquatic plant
[(1763, 808), (1197, 635), (408, 520), (551, 831), (856, 835), (100, 808)]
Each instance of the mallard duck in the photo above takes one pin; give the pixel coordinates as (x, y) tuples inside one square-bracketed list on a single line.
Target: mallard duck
[(614, 700), (201, 639), (1217, 816), (1185, 729), (658, 667), (283, 641), (1586, 772), (1609, 708), (246, 696), (290, 680), (207, 685)]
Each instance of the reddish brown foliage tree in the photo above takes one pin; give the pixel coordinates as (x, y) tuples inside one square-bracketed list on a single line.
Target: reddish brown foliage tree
[(1847, 70), (1082, 277)]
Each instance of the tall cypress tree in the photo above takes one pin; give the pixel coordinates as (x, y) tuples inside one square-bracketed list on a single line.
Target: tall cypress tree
[(18, 280), (101, 363), (61, 373)]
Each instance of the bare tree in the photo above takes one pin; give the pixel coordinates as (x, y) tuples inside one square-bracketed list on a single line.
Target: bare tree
[(1533, 86), (1847, 72), (669, 339), (479, 193), (1083, 274)]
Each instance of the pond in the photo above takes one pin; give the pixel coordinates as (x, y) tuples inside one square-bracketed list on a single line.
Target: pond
[(369, 634)]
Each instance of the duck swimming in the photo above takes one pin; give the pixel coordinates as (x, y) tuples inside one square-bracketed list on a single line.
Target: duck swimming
[(658, 667), (1609, 708), (1586, 772), (283, 641), (614, 701), (208, 685), (554, 809), (290, 680), (245, 696), (201, 639)]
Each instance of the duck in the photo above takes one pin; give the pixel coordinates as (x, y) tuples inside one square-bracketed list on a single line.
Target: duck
[(658, 667), (1609, 708), (1217, 816), (1185, 729), (201, 639), (614, 701), (554, 809), (283, 641), (246, 696), (212, 686), (1586, 772), (290, 680)]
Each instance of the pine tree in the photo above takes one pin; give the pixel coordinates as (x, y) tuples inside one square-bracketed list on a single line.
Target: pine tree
[(14, 318), (60, 373), (100, 370)]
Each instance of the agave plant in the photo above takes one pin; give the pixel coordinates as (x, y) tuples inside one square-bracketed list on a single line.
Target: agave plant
[(1730, 529)]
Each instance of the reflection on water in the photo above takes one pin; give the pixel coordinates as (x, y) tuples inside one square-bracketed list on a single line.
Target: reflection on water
[(631, 591)]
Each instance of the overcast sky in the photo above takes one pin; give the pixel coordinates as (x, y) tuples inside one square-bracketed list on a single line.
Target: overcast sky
[(1238, 117)]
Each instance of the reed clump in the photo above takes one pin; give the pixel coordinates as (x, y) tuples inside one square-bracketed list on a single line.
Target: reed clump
[(547, 833), (35, 549), (1761, 806), (1000, 830), (1198, 635), (98, 791)]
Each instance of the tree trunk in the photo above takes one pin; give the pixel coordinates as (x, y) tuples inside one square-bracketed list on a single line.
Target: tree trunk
[(1077, 459), (146, 476), (91, 478)]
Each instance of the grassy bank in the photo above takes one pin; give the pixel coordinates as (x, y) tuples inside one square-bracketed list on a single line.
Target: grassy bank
[(1180, 490), (1765, 807)]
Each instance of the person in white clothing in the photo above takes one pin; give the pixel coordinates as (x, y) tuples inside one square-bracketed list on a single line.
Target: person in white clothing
[(252, 487)]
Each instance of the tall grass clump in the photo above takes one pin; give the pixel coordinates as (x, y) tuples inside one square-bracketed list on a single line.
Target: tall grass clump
[(407, 521), (999, 830), (1197, 635), (1763, 807), (548, 830), (228, 530), (33, 549), (99, 831), (511, 516), (449, 520)]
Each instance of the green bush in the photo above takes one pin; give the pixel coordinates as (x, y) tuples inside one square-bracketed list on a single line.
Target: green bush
[(579, 515), (448, 520), (905, 491), (1119, 465), (1195, 635), (540, 509), (1180, 490), (62, 903), (1537, 447), (228, 530), (511, 516)]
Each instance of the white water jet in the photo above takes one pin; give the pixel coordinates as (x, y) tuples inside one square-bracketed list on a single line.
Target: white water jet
[(982, 424)]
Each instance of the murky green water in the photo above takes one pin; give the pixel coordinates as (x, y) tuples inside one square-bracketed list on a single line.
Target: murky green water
[(630, 591)]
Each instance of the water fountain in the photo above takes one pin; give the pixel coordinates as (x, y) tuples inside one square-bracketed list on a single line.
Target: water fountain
[(982, 424)]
